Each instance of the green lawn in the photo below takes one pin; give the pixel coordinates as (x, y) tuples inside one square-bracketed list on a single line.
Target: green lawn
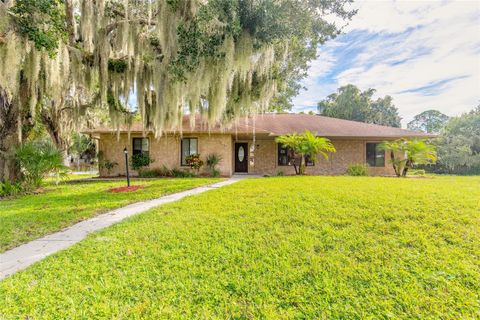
[(274, 248), (32, 216)]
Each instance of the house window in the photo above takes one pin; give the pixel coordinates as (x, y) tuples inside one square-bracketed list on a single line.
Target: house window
[(375, 156), (308, 161), (189, 146), (286, 157), (140, 146)]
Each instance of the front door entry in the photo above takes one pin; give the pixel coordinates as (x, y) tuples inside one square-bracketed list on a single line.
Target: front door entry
[(241, 157)]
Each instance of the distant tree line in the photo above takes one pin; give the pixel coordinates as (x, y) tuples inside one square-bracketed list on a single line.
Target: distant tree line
[(350, 103), (458, 142)]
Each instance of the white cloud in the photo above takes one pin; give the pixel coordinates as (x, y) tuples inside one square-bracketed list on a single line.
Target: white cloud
[(431, 41), (317, 68)]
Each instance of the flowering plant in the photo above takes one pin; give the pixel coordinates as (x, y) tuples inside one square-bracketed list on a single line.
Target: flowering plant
[(194, 161)]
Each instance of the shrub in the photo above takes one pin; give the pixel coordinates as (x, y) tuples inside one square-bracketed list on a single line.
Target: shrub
[(140, 160), (154, 173), (215, 173), (212, 161), (105, 163), (37, 160), (177, 173), (194, 161), (279, 173), (8, 189), (357, 170)]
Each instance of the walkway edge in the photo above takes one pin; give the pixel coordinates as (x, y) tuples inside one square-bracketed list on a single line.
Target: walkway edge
[(23, 256)]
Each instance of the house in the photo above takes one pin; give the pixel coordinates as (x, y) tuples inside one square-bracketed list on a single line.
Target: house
[(250, 148)]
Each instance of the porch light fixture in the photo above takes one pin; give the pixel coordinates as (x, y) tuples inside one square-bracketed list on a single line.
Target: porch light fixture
[(126, 165)]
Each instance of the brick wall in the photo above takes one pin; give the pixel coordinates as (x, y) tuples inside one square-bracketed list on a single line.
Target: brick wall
[(265, 159), (165, 151), (262, 156)]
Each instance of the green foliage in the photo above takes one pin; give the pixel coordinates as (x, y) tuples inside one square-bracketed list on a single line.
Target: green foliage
[(31, 216), (194, 161), (279, 173), (459, 145), (276, 248), (430, 121), (156, 172), (117, 65), (268, 22), (212, 162), (105, 163), (109, 165), (357, 170), (350, 103), (42, 22), (37, 160), (177, 173), (215, 173), (306, 144), (140, 160), (405, 154), (81, 144), (8, 189)]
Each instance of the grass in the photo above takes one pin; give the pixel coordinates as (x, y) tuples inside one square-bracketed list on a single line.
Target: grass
[(32, 216), (71, 177), (274, 248)]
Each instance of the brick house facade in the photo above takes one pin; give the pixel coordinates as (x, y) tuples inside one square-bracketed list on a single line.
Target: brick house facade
[(249, 147)]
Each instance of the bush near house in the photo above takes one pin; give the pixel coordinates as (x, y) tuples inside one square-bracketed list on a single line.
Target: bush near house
[(178, 173), (194, 161), (105, 163), (156, 172), (212, 162), (357, 170), (140, 160)]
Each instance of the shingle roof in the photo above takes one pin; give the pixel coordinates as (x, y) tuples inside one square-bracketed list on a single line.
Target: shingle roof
[(286, 123), (278, 124)]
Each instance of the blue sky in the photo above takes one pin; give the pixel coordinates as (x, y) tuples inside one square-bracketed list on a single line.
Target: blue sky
[(425, 54)]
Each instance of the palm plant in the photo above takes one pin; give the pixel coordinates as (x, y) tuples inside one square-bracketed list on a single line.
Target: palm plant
[(212, 161), (405, 154), (38, 159), (306, 144)]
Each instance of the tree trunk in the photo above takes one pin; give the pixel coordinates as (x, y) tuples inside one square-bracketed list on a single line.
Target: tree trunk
[(405, 169), (302, 165), (10, 137), (396, 168), (295, 167), (51, 121)]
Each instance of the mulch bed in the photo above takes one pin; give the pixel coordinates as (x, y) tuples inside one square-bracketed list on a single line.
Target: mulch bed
[(125, 189)]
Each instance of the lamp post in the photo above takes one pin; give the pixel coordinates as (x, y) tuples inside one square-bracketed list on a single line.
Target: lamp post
[(126, 165)]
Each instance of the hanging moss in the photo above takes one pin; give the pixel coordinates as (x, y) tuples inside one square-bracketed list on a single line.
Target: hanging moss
[(175, 55)]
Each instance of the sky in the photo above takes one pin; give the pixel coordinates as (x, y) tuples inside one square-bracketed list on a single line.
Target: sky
[(425, 54)]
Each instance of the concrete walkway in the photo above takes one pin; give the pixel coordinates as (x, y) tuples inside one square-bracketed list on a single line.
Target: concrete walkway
[(21, 257)]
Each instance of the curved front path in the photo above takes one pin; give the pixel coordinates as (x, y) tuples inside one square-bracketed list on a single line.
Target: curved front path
[(21, 257)]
